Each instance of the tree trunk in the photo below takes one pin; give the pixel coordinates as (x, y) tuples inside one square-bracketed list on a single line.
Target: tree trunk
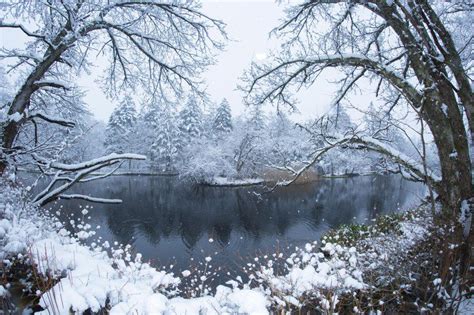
[(9, 134), (456, 186), (22, 99)]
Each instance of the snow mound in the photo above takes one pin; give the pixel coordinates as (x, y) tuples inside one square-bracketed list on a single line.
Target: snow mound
[(311, 271), (224, 181)]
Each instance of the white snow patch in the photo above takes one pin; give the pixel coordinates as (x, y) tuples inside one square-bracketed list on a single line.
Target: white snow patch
[(16, 117), (3, 291), (224, 181), (186, 273), (444, 108)]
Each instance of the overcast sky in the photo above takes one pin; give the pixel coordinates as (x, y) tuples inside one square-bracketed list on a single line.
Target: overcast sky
[(248, 25)]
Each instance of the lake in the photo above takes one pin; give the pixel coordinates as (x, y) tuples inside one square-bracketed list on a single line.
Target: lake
[(171, 222)]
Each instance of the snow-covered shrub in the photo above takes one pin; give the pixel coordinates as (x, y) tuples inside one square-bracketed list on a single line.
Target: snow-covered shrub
[(206, 162), (310, 275)]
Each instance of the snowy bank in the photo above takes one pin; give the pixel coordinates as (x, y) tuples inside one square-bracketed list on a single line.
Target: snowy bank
[(318, 277), (91, 279), (224, 181), (349, 262)]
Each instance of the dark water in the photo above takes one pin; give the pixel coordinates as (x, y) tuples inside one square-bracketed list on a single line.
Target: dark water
[(172, 222)]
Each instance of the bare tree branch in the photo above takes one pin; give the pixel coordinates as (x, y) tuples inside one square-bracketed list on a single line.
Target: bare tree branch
[(71, 174)]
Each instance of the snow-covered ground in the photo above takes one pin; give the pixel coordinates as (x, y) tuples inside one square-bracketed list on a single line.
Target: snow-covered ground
[(102, 276), (224, 181), (91, 278)]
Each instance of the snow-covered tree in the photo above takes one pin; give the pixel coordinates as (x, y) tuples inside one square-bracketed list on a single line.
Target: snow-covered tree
[(280, 124), (191, 120), (223, 119), (207, 162), (257, 120), (88, 142), (408, 48), (338, 120), (167, 140), (381, 125), (119, 134), (285, 143), (159, 46), (5, 89)]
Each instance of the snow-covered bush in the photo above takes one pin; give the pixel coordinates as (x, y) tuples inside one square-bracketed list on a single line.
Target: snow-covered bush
[(206, 162)]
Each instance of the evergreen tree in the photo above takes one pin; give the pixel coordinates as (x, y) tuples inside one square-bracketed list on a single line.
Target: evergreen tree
[(191, 120), (223, 119), (339, 120), (167, 141), (146, 126), (257, 119), (119, 131), (150, 116)]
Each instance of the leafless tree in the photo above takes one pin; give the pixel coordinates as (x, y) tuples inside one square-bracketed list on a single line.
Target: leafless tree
[(66, 175), (407, 49), (155, 46)]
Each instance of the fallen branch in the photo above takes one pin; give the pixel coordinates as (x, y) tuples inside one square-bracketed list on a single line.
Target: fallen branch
[(70, 174), (89, 198)]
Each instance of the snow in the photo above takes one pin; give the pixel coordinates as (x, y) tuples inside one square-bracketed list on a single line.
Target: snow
[(93, 277), (53, 82), (312, 272), (223, 181), (103, 159), (240, 299), (16, 117), (444, 108), (186, 273), (339, 269), (465, 218), (401, 157), (3, 291)]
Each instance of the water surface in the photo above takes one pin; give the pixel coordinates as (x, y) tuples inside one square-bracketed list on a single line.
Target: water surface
[(171, 222)]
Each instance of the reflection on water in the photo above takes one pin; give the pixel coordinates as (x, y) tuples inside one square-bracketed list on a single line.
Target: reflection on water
[(168, 221)]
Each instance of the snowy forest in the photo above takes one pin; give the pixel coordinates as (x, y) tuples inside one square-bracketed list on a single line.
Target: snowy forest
[(180, 199), (200, 144)]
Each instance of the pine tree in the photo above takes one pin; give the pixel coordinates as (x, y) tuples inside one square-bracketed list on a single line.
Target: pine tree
[(339, 120), (150, 115), (257, 119), (167, 141), (223, 119), (191, 120), (118, 135)]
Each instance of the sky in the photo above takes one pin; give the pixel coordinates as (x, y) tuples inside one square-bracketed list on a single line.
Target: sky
[(249, 23)]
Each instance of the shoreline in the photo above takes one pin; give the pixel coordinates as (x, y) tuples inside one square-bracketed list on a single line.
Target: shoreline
[(338, 265), (236, 182)]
